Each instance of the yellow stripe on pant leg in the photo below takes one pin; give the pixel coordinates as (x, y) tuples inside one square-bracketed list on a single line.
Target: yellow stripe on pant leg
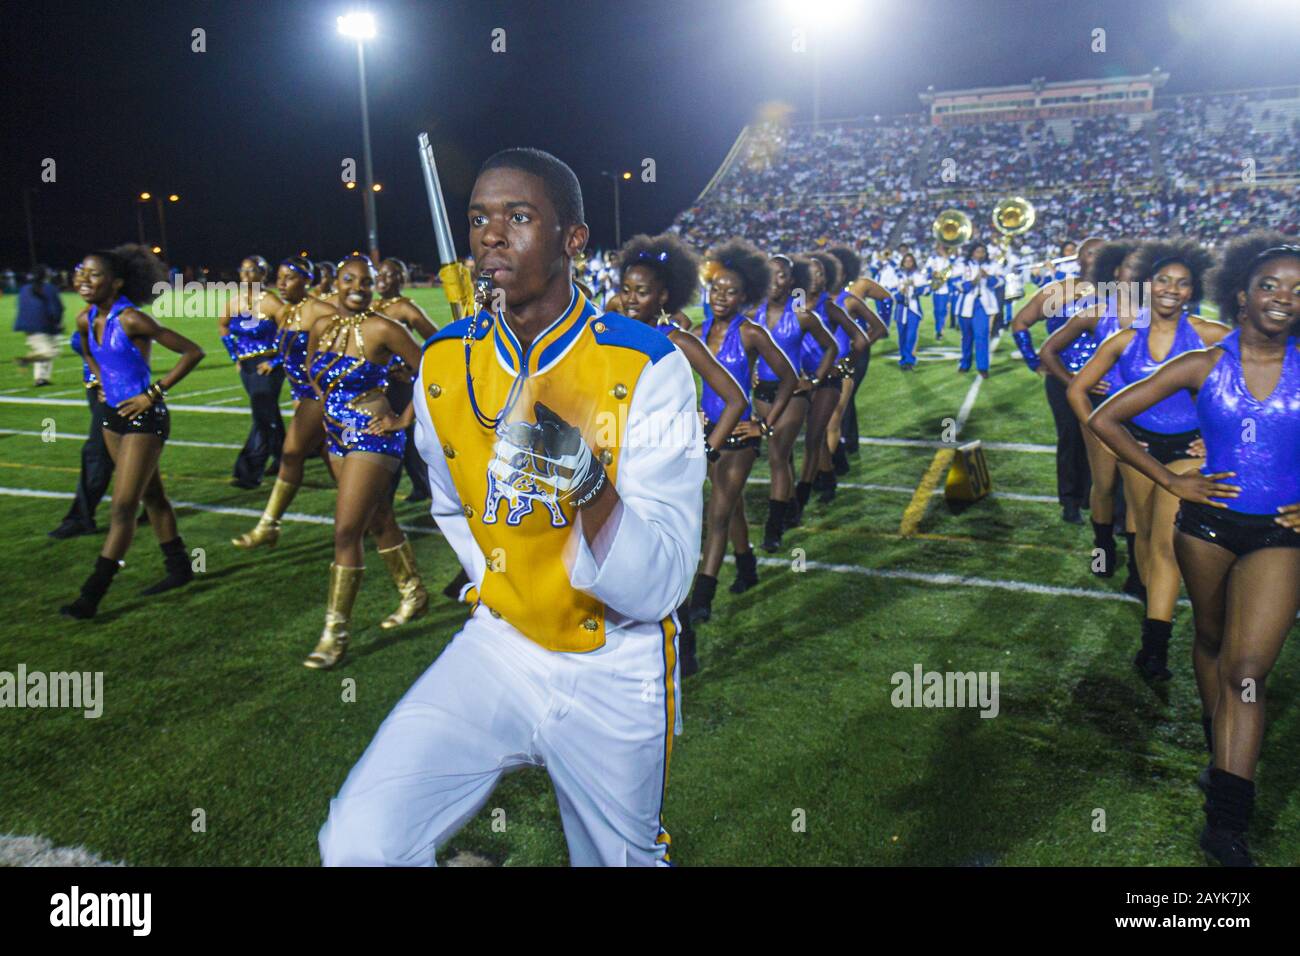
[(670, 720)]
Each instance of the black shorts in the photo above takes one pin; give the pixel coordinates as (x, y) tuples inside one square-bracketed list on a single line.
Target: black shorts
[(1095, 400), (830, 381), (1164, 448), (733, 443), (765, 391), (156, 421), (1239, 533)]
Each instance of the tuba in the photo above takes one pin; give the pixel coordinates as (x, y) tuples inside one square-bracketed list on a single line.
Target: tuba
[(1012, 217), (952, 227)]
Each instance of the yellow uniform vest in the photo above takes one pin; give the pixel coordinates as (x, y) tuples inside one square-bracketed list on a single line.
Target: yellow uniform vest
[(585, 368)]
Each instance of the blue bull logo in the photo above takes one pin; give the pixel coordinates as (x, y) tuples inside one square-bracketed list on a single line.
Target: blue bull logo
[(522, 491)]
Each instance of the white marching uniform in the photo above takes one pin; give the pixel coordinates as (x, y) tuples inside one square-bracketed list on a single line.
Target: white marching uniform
[(599, 715)]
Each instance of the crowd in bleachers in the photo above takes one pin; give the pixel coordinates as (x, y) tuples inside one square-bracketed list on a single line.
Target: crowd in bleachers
[(793, 186), (1214, 137)]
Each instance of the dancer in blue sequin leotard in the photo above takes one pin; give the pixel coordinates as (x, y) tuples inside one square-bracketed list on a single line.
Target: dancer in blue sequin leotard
[(116, 340), (249, 333), (297, 310), (1238, 538), (349, 354)]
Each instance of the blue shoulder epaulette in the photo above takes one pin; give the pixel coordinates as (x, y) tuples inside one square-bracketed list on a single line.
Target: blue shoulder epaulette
[(614, 329)]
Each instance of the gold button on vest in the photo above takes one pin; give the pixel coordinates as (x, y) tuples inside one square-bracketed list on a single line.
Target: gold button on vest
[(469, 512), (434, 389), (591, 624), (606, 457), (620, 390), (449, 451)]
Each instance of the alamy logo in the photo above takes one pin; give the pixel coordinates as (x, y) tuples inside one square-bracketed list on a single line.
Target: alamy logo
[(103, 909), (946, 689), (80, 690)]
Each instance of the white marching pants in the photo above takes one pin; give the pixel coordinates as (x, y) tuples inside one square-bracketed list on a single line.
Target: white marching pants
[(600, 722)]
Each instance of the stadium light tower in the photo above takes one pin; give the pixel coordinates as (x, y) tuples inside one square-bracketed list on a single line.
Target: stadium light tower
[(359, 25), (821, 19)]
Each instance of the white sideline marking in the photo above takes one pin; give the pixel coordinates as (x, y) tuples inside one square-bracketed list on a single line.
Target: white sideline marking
[(23, 850), (961, 580), (80, 403), (292, 516), (973, 392), (921, 577), (170, 441)]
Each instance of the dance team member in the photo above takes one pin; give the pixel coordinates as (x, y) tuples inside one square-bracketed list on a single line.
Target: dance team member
[(391, 278), (249, 334), (740, 280), (1057, 302), (816, 274), (787, 326), (1238, 537), (658, 278), (349, 354), (297, 313), (116, 342), (1158, 335), (842, 432), (323, 288)]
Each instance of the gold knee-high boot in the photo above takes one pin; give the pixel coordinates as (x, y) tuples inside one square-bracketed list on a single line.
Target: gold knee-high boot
[(267, 531), (344, 585), (415, 599)]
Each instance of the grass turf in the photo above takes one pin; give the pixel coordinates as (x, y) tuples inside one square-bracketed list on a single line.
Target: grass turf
[(792, 751)]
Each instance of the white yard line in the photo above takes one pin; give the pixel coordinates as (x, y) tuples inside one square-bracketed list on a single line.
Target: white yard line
[(291, 516), (920, 577), (171, 441)]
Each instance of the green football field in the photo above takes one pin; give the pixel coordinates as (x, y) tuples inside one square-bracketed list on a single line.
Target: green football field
[(792, 752)]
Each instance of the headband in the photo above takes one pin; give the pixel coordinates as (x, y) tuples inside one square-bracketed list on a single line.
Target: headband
[(293, 264), (1273, 252)]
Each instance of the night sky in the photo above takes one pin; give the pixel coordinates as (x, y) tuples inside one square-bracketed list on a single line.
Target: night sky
[(252, 132)]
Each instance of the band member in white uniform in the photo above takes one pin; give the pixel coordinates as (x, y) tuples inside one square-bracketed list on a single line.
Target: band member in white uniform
[(580, 540)]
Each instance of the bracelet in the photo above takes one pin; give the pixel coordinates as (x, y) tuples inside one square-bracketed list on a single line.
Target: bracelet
[(764, 428), (156, 392)]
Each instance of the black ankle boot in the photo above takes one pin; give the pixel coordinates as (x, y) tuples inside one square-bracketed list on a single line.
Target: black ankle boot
[(92, 591), (1133, 583), (772, 531), (177, 563), (840, 460), (452, 590), (1153, 658), (686, 643), (1203, 778), (1229, 805), (828, 486), (746, 573), (1103, 537), (802, 492), (702, 598)]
